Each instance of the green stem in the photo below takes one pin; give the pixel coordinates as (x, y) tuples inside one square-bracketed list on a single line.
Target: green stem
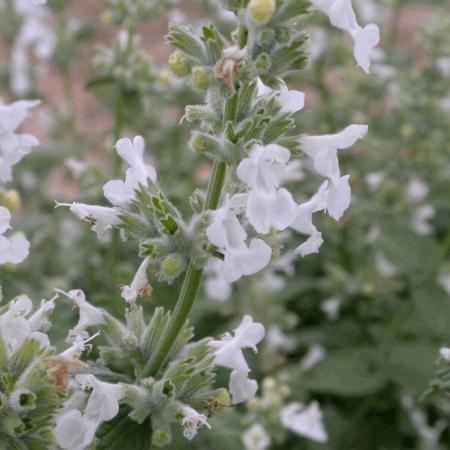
[(191, 284)]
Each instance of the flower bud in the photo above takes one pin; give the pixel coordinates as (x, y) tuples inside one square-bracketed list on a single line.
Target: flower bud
[(171, 267), (11, 200), (261, 10), (201, 78), (178, 64), (164, 77), (197, 143)]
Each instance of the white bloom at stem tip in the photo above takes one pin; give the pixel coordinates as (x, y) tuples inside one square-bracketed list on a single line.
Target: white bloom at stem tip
[(119, 192), (101, 218), (228, 353), (343, 16), (192, 421), (139, 286), (226, 233), (291, 101), (268, 205), (305, 421), (256, 438)]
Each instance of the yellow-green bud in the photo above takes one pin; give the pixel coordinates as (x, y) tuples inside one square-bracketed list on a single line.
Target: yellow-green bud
[(164, 77), (198, 143), (252, 404), (178, 64), (269, 383), (201, 78), (261, 10), (11, 200), (171, 266)]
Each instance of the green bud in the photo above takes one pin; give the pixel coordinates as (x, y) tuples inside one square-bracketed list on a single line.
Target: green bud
[(160, 438), (23, 399), (261, 10), (263, 62), (197, 143), (201, 78), (11, 200), (178, 64)]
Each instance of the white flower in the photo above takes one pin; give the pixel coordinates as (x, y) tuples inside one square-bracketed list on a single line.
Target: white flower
[(216, 287), (103, 403), (13, 249), (444, 281), (342, 16), (228, 351), (315, 355), (192, 421), (274, 278), (242, 388), (74, 431), (278, 340), (303, 223), (416, 190), (323, 151), (226, 233), (89, 314), (120, 192), (78, 347), (422, 215), (139, 285), (39, 320), (305, 421), (374, 179), (385, 268), (101, 218), (268, 205), (14, 146), (291, 101), (256, 438), (331, 307), (445, 353)]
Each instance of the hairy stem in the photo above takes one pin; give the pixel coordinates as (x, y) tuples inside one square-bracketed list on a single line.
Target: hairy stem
[(191, 284)]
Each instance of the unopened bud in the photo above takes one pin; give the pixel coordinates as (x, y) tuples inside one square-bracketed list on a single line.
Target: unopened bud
[(178, 64), (11, 200), (164, 77), (201, 78), (261, 10), (197, 143)]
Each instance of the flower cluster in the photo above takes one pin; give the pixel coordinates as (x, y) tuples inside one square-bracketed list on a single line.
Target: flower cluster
[(13, 147)]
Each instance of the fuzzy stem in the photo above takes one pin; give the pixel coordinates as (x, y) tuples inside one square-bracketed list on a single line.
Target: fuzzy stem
[(191, 284)]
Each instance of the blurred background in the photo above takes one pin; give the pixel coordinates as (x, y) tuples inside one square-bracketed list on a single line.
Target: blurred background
[(357, 327)]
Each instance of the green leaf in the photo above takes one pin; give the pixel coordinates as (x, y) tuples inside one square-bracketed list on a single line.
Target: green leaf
[(409, 252), (350, 372), (412, 365)]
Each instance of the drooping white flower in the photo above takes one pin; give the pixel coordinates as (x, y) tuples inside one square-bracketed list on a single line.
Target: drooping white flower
[(323, 152), (120, 192), (342, 16), (228, 350), (226, 233), (103, 403), (192, 421), (256, 438), (14, 146), (268, 205), (78, 346), (304, 224), (73, 431), (291, 101), (139, 285), (315, 355), (39, 320), (89, 314), (242, 388), (101, 218), (305, 420), (15, 248), (228, 353)]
